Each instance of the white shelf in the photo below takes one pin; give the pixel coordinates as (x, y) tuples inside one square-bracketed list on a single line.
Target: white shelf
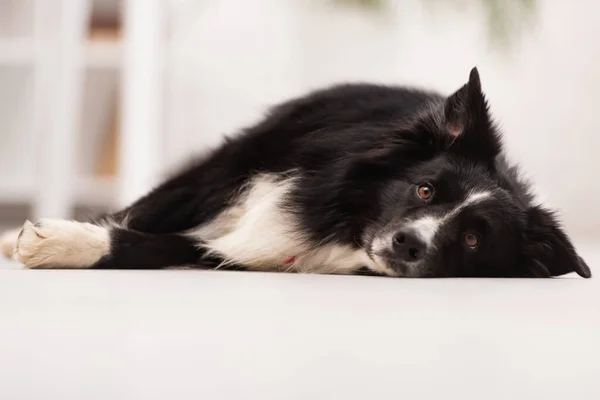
[(55, 47), (99, 54), (89, 191), (18, 51)]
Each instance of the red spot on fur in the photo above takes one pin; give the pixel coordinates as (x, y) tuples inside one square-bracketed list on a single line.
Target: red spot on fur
[(290, 260)]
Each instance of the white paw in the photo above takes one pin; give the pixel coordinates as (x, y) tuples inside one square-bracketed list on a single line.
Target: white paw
[(57, 243), (7, 242)]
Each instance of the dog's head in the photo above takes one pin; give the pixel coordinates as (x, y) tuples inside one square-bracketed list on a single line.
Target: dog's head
[(459, 209)]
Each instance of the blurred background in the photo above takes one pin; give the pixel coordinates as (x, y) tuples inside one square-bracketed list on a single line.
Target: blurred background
[(101, 98)]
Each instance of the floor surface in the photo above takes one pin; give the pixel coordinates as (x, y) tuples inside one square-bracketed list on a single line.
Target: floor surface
[(181, 334)]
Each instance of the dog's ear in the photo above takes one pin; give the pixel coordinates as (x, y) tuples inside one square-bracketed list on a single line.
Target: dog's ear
[(467, 120), (547, 251)]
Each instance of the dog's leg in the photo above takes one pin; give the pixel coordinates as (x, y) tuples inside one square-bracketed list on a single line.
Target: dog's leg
[(137, 250), (56, 243)]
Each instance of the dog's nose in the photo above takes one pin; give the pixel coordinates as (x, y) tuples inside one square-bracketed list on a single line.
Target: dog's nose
[(408, 246)]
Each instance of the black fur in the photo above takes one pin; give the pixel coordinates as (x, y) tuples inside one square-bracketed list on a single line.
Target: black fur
[(359, 152)]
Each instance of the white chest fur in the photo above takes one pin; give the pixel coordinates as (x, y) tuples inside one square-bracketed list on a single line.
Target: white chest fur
[(258, 232)]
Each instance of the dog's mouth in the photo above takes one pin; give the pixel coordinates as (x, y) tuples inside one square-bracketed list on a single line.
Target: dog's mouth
[(401, 268), (388, 264)]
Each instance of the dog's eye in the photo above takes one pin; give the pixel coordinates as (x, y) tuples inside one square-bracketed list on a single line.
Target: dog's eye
[(425, 191), (471, 240)]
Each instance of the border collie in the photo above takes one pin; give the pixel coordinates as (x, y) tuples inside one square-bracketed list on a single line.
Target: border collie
[(352, 179)]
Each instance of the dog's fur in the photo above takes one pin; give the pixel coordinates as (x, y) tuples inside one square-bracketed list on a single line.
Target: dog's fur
[(333, 183)]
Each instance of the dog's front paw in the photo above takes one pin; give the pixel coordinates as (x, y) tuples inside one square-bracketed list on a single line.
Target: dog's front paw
[(57, 243)]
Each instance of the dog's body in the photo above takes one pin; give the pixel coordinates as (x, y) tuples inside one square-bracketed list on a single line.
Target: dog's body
[(355, 178)]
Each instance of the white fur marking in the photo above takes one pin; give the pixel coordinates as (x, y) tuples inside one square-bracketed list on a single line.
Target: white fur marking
[(382, 243), (428, 226), (258, 232), (475, 198), (56, 243), (335, 259)]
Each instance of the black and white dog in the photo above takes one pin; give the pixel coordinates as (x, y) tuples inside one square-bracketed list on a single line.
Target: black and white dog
[(352, 179)]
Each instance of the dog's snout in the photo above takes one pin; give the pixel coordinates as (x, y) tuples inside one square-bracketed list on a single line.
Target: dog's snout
[(408, 246)]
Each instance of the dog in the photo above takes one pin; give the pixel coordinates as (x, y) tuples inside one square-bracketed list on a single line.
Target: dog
[(352, 179)]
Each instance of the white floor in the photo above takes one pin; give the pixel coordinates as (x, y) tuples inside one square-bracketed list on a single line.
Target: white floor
[(225, 335)]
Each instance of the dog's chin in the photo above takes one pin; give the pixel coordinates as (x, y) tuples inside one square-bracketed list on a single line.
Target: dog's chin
[(398, 268)]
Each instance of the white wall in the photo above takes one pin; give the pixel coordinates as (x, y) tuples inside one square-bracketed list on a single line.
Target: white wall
[(229, 60)]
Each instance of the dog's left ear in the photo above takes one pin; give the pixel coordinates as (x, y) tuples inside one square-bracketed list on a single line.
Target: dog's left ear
[(467, 119), (547, 251)]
